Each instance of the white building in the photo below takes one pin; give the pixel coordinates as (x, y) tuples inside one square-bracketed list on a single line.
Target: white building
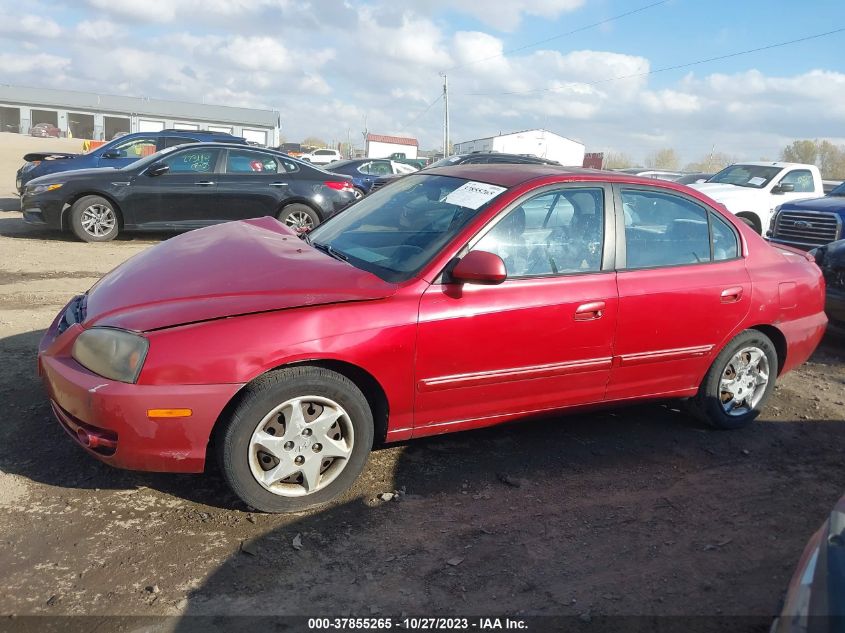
[(101, 116), (380, 146), (541, 143)]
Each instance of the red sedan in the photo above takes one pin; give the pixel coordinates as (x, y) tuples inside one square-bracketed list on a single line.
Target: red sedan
[(452, 299)]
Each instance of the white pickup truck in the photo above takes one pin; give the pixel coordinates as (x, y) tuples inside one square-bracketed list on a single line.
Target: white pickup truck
[(752, 191)]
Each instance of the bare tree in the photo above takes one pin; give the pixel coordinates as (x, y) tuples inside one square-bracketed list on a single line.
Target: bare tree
[(666, 158), (313, 141), (711, 163), (829, 158), (617, 160)]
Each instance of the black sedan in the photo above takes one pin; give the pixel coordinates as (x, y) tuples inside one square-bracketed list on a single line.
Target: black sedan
[(491, 158), (186, 187)]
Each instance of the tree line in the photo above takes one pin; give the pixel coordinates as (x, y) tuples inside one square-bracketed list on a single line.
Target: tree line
[(828, 157)]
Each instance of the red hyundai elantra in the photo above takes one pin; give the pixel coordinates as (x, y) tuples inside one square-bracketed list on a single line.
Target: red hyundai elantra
[(449, 300)]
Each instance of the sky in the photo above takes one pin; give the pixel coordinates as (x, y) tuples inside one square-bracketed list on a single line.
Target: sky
[(591, 70)]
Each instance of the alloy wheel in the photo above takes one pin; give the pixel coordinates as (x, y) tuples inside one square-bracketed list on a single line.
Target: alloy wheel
[(98, 220), (744, 380)]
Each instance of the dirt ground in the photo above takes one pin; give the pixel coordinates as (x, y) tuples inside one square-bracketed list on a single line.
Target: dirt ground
[(632, 511)]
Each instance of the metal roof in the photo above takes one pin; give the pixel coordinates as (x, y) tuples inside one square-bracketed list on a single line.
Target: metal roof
[(501, 135), (72, 99), (396, 140)]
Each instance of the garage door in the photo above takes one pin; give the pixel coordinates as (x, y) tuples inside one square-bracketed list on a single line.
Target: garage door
[(256, 136), (149, 125)]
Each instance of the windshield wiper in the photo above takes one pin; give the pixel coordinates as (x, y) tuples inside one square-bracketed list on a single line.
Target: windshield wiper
[(305, 238), (328, 250)]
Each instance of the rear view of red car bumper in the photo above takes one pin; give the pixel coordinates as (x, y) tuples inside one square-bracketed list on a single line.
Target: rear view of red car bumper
[(111, 420)]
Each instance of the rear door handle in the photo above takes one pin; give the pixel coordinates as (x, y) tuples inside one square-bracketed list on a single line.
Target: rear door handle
[(731, 295), (590, 311), (204, 183), (278, 184)]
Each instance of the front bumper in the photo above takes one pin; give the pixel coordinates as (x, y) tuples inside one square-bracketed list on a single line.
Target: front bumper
[(108, 419), (42, 210)]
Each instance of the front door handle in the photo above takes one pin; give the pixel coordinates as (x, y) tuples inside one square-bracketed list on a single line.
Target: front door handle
[(204, 183), (731, 295), (278, 184), (590, 311)]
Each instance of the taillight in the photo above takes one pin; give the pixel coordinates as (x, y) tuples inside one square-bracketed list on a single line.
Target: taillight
[(343, 185)]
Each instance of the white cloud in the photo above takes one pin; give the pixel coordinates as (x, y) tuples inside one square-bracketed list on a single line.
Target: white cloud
[(506, 15), (29, 26), (14, 64)]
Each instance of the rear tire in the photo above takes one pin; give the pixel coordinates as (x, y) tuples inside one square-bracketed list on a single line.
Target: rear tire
[(299, 217), (358, 193), (94, 219), (752, 223), (297, 440), (738, 383)]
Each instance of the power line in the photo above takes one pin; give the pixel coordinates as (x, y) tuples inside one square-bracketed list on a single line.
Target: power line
[(428, 107), (665, 69), (557, 37)]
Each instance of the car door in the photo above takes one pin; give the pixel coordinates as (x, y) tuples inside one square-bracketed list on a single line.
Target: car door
[(183, 197), (683, 289), (542, 339), (253, 184)]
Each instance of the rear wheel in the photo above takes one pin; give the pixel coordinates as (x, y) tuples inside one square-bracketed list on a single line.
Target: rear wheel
[(94, 219), (358, 193), (752, 222), (298, 439), (299, 217), (739, 382)]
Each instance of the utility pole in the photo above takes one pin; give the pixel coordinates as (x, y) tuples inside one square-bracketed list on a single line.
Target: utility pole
[(446, 115)]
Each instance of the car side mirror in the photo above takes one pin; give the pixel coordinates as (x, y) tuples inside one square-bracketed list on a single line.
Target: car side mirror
[(158, 169), (783, 188), (112, 153), (479, 267)]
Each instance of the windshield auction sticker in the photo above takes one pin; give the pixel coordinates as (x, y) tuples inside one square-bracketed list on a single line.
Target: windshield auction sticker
[(473, 194)]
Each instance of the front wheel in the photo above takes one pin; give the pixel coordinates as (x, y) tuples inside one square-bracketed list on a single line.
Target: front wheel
[(738, 383), (94, 219), (299, 217), (298, 439)]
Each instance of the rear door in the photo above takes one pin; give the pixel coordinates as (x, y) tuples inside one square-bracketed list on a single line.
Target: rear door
[(183, 197), (541, 340), (683, 288), (253, 184)]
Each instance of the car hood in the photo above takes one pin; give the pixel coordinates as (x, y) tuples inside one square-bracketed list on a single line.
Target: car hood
[(721, 192), (221, 271), (828, 203), (33, 156), (64, 176)]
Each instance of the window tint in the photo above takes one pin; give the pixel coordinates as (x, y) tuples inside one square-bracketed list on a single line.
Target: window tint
[(725, 245), (135, 148), (170, 141), (664, 230), (554, 233), (247, 162), (802, 179), (194, 160)]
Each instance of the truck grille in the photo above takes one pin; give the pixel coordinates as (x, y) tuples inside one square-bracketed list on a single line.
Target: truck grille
[(806, 229)]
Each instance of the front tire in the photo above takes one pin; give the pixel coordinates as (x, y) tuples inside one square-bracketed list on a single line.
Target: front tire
[(94, 219), (299, 217), (297, 440), (738, 383)]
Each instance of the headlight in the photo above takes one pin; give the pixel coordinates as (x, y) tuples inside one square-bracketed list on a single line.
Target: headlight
[(111, 353), (35, 189)]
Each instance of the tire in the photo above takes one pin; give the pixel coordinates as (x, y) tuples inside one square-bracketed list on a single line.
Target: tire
[(358, 193), (299, 217), (94, 219), (725, 378), (264, 437), (750, 222)]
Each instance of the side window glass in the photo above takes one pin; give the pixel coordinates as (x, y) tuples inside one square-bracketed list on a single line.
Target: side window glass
[(289, 166), (556, 233), (365, 168), (246, 162), (802, 179), (725, 245), (380, 168), (664, 230), (136, 148), (200, 161)]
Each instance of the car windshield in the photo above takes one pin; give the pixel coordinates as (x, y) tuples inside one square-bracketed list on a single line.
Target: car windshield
[(445, 162), (396, 231), (754, 176), (839, 190)]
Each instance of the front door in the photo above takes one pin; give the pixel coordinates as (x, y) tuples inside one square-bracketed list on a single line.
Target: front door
[(683, 289), (183, 197), (542, 339)]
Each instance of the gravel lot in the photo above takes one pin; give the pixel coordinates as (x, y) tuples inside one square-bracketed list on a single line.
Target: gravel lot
[(629, 511)]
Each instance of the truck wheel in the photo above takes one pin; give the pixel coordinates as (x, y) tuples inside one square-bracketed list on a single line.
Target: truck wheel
[(752, 222), (297, 440), (94, 219), (738, 383)]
